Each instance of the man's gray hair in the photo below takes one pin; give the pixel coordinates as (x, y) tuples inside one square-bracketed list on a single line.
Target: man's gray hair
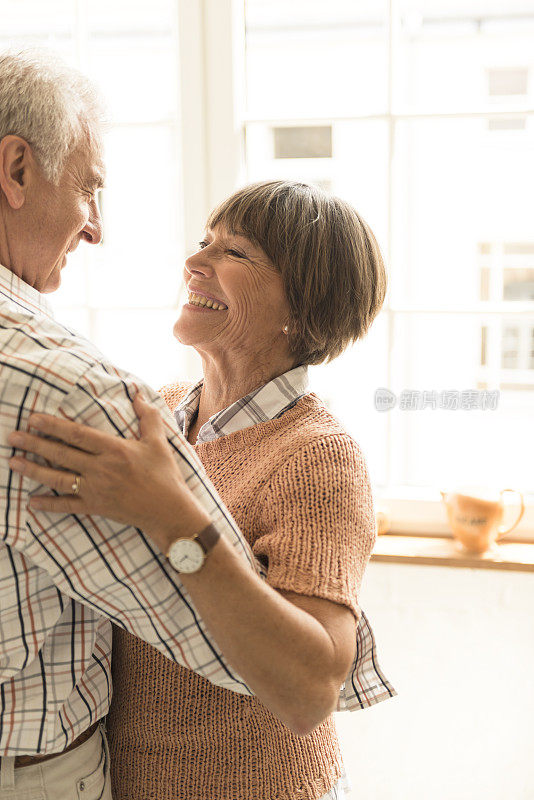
[(49, 105)]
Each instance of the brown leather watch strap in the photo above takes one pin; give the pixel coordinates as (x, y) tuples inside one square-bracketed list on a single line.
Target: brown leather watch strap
[(208, 537)]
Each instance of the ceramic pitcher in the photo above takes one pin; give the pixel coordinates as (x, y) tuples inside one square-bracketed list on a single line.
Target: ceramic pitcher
[(476, 521)]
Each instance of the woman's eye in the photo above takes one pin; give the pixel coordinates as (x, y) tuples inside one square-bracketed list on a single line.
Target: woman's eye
[(236, 253), (202, 244)]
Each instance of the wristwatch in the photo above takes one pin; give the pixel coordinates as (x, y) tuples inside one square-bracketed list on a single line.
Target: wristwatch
[(189, 553)]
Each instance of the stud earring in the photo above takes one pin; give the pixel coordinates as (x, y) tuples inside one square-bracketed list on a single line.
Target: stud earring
[(285, 329)]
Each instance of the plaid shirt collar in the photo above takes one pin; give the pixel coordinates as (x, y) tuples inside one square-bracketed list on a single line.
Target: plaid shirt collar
[(261, 405), (24, 295)]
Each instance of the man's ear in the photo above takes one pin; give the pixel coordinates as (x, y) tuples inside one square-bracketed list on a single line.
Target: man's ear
[(16, 160)]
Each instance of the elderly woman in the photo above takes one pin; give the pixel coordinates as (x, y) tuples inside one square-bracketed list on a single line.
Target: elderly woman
[(285, 276)]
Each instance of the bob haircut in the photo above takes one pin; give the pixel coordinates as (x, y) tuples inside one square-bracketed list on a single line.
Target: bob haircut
[(333, 272)]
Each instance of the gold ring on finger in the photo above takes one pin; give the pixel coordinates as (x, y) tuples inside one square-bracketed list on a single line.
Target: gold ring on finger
[(76, 484)]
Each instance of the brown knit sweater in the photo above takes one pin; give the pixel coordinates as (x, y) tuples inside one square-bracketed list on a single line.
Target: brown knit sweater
[(299, 490)]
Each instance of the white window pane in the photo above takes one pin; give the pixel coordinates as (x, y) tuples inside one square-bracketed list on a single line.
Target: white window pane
[(138, 15), (348, 386), (456, 186), (142, 342), (132, 280), (310, 58), (447, 54), (36, 19), (138, 76), (141, 260), (360, 172), (140, 199), (437, 447), (73, 289)]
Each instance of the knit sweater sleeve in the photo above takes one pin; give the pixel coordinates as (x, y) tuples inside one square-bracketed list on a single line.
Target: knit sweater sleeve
[(317, 521)]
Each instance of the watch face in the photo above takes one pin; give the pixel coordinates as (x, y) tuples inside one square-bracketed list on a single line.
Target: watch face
[(186, 555)]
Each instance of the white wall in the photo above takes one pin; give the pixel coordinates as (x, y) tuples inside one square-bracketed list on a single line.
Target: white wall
[(458, 645)]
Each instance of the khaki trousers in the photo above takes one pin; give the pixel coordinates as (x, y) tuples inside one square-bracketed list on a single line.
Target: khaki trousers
[(80, 774)]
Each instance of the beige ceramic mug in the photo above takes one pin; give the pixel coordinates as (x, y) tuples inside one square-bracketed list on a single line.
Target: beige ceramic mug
[(476, 521)]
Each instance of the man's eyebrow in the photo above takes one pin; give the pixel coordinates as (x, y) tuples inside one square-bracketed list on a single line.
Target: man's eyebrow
[(96, 180)]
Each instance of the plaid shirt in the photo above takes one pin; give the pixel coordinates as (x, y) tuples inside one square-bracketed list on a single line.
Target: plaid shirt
[(365, 685), (65, 578)]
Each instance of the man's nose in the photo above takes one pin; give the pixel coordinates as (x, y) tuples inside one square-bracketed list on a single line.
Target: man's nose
[(93, 230)]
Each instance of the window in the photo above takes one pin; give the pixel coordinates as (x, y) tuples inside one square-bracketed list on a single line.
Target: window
[(432, 136), (507, 273), (123, 294), (419, 113)]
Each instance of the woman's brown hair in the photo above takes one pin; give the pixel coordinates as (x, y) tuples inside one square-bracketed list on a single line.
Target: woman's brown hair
[(330, 261)]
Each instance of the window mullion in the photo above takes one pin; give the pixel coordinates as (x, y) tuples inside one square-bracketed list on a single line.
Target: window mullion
[(392, 23)]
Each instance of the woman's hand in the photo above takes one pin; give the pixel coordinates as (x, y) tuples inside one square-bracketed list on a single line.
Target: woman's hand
[(134, 481)]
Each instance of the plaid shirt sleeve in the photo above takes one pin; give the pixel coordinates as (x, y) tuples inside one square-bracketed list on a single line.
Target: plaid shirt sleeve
[(113, 568)]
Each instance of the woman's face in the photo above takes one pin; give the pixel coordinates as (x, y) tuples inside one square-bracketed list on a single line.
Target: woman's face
[(249, 306)]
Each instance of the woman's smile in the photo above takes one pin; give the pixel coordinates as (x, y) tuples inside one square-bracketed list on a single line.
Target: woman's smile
[(203, 301), (195, 307)]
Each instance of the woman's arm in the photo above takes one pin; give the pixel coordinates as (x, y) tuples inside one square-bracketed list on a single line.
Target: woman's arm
[(293, 651)]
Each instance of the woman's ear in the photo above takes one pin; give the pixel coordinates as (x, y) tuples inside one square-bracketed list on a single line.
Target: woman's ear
[(15, 160)]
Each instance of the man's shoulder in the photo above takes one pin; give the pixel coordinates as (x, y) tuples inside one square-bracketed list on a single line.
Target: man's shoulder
[(53, 361), (44, 346)]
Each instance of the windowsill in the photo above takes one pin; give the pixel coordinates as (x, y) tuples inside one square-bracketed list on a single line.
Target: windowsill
[(420, 511), (445, 552)]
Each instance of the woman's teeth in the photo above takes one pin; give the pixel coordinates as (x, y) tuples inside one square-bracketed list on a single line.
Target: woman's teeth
[(200, 300)]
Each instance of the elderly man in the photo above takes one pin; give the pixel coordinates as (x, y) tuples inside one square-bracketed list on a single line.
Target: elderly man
[(64, 579)]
